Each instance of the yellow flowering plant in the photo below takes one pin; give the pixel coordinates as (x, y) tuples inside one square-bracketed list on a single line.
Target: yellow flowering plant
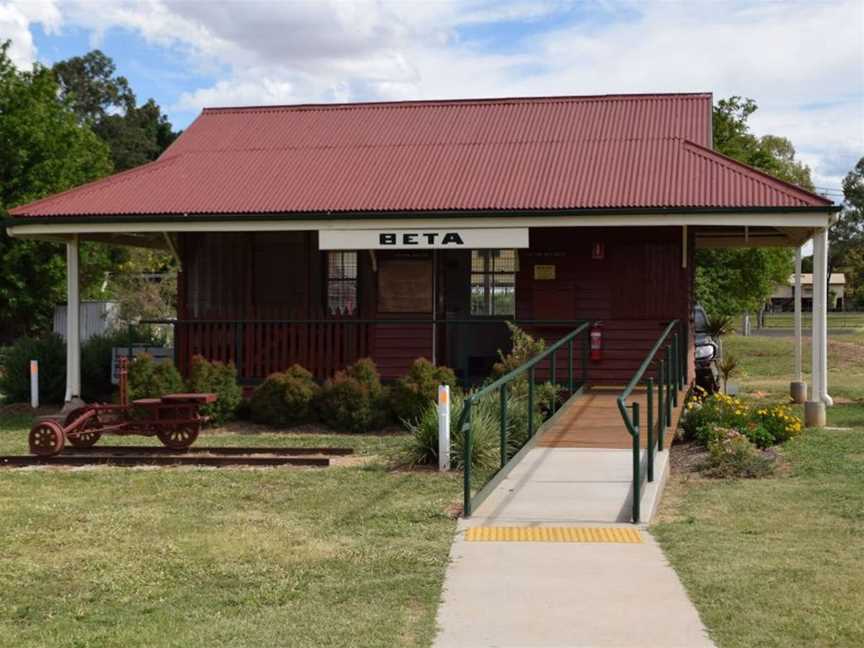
[(763, 426)]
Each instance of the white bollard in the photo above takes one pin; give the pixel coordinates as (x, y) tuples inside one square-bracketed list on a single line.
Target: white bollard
[(443, 427), (34, 384)]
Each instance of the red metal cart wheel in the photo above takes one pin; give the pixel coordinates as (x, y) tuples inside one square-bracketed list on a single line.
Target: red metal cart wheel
[(87, 435), (179, 437), (46, 438)]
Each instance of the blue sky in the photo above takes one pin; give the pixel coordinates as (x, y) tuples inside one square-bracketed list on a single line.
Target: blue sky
[(803, 62)]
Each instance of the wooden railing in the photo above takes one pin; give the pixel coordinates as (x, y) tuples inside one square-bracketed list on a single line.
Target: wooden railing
[(259, 348)]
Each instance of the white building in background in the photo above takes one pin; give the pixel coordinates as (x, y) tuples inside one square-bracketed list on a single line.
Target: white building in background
[(96, 318), (783, 296)]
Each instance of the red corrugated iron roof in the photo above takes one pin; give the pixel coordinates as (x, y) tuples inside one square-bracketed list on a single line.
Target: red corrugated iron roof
[(558, 153)]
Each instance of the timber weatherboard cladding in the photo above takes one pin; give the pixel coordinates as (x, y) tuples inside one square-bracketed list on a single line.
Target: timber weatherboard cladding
[(634, 291)]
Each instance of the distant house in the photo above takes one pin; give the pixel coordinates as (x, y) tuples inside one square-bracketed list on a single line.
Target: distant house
[(784, 294)]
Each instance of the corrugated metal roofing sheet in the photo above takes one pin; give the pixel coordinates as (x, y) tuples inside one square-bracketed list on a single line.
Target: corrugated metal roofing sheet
[(625, 151)]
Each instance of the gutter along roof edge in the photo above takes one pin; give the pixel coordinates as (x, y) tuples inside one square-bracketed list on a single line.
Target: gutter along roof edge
[(393, 215)]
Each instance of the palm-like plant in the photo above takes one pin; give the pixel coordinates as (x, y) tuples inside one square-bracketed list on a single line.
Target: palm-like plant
[(727, 366), (718, 326)]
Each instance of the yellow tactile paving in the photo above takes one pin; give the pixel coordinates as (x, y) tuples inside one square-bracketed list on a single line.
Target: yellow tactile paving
[(553, 534)]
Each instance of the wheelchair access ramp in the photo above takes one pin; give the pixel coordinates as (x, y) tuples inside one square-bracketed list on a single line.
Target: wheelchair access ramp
[(580, 469)]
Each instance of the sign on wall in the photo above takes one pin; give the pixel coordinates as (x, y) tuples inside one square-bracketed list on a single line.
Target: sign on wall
[(428, 239), (544, 272)]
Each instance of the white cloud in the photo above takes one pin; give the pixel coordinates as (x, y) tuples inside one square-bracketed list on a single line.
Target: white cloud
[(15, 21), (787, 56)]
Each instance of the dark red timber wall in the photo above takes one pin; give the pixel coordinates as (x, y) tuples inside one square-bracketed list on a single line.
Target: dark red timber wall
[(229, 280), (634, 289), (236, 290)]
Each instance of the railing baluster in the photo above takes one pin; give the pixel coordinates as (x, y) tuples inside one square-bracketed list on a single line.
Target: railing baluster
[(531, 402), (675, 371), (637, 477), (465, 428), (585, 342), (554, 375), (669, 390), (570, 366), (503, 420), (650, 429), (661, 409)]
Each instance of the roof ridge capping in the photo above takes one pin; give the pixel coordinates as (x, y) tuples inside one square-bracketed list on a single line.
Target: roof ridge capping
[(762, 176), (410, 103)]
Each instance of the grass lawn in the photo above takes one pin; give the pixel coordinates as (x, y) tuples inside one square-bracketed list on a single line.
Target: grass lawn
[(778, 562), (343, 556)]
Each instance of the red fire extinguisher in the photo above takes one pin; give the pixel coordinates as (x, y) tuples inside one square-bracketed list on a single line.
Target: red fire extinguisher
[(596, 342)]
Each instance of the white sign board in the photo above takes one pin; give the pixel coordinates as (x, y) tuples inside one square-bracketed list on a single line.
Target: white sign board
[(424, 239)]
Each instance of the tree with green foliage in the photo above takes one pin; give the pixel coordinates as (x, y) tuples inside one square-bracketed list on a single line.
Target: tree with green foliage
[(103, 100), (846, 249), (44, 149), (732, 280)]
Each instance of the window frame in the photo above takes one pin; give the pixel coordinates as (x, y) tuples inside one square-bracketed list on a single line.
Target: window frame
[(331, 280), (489, 273)]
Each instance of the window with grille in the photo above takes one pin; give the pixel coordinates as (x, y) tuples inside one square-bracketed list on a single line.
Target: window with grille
[(493, 282), (341, 283)]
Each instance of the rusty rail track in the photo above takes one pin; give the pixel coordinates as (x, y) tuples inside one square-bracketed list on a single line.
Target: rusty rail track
[(160, 460), (281, 451)]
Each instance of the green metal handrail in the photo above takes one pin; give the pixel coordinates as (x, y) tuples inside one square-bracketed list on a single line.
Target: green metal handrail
[(671, 374), (501, 385)]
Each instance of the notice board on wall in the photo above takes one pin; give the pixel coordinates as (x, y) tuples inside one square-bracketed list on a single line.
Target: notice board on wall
[(405, 286)]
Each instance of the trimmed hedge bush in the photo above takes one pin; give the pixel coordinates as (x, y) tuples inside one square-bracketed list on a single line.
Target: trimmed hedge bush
[(410, 395), (149, 379), (354, 399), (220, 379), (50, 351), (285, 398)]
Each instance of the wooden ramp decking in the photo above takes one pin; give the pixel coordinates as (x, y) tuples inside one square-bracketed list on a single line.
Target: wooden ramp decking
[(594, 421)]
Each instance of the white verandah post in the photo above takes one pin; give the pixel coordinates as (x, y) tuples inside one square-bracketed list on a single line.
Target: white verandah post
[(73, 319), (814, 409), (798, 388)]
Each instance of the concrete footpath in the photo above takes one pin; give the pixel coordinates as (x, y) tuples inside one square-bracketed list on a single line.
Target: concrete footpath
[(563, 594)]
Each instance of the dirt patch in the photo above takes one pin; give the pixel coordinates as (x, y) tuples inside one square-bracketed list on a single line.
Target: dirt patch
[(686, 457), (24, 409)]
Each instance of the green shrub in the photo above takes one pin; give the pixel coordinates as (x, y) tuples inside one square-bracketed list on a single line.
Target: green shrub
[(545, 395), (731, 454), (354, 400), (410, 395), (779, 422), (485, 437), (50, 351), (523, 348), (149, 379), (764, 427), (96, 361), (220, 379), (285, 398)]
